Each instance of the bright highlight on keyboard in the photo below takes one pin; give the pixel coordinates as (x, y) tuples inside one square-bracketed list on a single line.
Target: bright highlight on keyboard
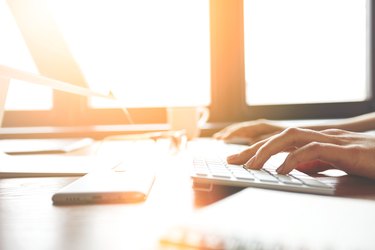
[(215, 170)]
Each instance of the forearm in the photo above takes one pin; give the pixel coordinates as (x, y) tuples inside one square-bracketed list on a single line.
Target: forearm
[(360, 123)]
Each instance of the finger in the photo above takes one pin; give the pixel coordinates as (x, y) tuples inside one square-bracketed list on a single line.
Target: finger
[(262, 137), (332, 154), (243, 130), (291, 138), (334, 131), (218, 135), (238, 140), (314, 166), (245, 155), (224, 133), (240, 132)]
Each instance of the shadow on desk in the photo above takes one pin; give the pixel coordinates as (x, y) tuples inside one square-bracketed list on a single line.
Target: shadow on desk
[(354, 187), (346, 186), (218, 192)]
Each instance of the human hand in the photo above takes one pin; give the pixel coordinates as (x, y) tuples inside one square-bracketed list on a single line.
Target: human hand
[(251, 131), (314, 151)]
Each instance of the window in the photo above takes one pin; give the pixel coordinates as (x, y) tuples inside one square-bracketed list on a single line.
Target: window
[(308, 59), (149, 53), (243, 88), (14, 53), (229, 55), (309, 51)]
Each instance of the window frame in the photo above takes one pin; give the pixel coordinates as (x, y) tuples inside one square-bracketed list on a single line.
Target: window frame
[(228, 101), (231, 99)]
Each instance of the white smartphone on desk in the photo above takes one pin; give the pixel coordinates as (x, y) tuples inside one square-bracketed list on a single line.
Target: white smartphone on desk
[(107, 187)]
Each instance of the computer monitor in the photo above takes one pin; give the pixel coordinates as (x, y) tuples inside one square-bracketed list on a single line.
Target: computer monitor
[(7, 74)]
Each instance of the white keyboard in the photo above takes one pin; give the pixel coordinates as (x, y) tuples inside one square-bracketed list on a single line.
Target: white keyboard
[(214, 170)]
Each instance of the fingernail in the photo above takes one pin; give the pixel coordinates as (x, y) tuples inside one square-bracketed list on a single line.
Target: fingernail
[(250, 162), (280, 169)]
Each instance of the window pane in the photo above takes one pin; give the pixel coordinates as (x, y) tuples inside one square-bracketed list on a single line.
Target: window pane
[(150, 53), (305, 51), (14, 53)]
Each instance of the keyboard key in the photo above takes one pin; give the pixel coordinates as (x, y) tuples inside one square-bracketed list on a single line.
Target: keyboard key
[(215, 165), (314, 183), (213, 168), (240, 172), (219, 170), (222, 175), (263, 176), (197, 168), (216, 162), (288, 179), (200, 164), (202, 173), (244, 176), (230, 166)]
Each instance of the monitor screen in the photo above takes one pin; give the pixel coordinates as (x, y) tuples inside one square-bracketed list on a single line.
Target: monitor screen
[(149, 53)]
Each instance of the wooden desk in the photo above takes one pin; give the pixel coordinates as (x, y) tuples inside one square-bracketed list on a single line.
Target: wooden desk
[(29, 220)]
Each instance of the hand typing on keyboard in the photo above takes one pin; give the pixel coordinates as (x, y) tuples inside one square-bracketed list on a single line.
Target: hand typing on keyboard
[(208, 171), (314, 151)]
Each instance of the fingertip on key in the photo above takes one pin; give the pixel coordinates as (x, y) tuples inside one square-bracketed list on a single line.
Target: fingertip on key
[(250, 163)]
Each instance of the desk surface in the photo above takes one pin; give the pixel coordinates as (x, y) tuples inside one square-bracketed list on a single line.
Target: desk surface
[(29, 220)]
